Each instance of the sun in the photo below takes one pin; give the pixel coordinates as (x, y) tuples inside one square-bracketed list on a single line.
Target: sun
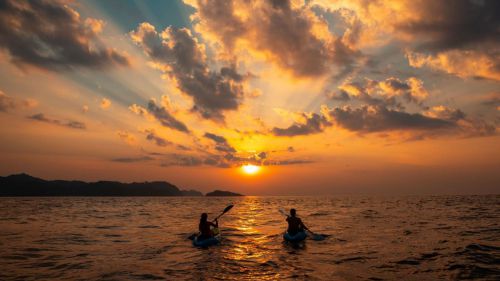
[(250, 169)]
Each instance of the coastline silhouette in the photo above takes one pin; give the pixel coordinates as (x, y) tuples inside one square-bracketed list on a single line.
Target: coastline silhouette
[(26, 185)]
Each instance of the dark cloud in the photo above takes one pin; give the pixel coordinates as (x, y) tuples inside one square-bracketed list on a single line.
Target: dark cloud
[(165, 117), (340, 96), (284, 32), (391, 92), (378, 118), (152, 136), (70, 124), (396, 85), (133, 159), (184, 59), (182, 160), (364, 93), (314, 123), (221, 160), (159, 141), (50, 35), (221, 143), (160, 113), (288, 162), (183, 147), (454, 24), (492, 101), (446, 113), (459, 37)]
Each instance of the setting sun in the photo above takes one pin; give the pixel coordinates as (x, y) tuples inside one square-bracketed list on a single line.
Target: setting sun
[(250, 169)]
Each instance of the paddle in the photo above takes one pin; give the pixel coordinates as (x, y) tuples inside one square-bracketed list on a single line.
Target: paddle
[(314, 236), (223, 212), (192, 236)]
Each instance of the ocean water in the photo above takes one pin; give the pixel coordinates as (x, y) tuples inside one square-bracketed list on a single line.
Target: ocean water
[(135, 238)]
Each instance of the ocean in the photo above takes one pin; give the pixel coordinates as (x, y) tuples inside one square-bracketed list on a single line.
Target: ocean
[(145, 238)]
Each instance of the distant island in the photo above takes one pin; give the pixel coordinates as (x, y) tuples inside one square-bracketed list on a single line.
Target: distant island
[(26, 185), (223, 193)]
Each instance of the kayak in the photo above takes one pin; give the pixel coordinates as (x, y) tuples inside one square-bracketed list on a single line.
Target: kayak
[(297, 237), (208, 241)]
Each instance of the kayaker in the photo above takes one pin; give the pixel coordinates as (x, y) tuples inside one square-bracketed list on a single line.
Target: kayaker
[(295, 224), (205, 227)]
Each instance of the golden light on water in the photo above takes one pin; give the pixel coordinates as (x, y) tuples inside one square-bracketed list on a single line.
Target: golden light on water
[(250, 169)]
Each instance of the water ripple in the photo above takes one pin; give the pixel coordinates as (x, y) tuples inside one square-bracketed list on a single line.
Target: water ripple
[(409, 238)]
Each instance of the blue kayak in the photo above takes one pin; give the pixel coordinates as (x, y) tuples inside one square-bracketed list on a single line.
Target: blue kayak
[(297, 237), (208, 241), (205, 242)]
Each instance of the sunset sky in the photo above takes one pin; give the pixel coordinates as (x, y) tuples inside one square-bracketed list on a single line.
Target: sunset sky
[(328, 97)]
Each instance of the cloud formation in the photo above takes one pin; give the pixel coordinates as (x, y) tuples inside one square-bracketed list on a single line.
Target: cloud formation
[(378, 118), (160, 113), (459, 37), (314, 123), (287, 33), (159, 141), (365, 119), (178, 53), (133, 159), (105, 103), (463, 64), (8, 103), (493, 100), (389, 92), (444, 112), (51, 35), (452, 24), (70, 123), (228, 160), (221, 143), (127, 137)]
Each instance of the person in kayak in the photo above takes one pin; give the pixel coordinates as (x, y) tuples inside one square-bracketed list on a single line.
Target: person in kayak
[(204, 227), (295, 224)]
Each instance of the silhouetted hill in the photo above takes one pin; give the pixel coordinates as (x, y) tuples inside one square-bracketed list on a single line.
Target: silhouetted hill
[(191, 192), (26, 185), (223, 193)]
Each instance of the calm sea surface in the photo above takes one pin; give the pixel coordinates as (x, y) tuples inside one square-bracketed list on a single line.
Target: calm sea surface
[(406, 238)]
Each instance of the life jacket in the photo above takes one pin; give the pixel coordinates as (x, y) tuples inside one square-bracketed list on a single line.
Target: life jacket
[(294, 225), (204, 228)]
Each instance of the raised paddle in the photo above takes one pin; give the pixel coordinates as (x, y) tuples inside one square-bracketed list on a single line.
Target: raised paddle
[(314, 236), (223, 212), (192, 236)]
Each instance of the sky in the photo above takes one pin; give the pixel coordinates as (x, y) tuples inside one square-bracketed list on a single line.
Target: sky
[(324, 97)]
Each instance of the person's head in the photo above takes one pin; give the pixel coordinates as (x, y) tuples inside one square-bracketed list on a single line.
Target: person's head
[(293, 212), (204, 217)]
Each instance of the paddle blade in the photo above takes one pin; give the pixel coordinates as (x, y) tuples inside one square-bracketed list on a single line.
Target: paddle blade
[(227, 209), (318, 237), (223, 212)]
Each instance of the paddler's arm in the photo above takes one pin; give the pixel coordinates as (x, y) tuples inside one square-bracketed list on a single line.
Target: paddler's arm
[(303, 225), (216, 224)]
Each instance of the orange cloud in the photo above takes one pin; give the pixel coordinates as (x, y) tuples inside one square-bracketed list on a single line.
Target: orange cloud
[(464, 64), (8, 103), (105, 103), (286, 33)]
